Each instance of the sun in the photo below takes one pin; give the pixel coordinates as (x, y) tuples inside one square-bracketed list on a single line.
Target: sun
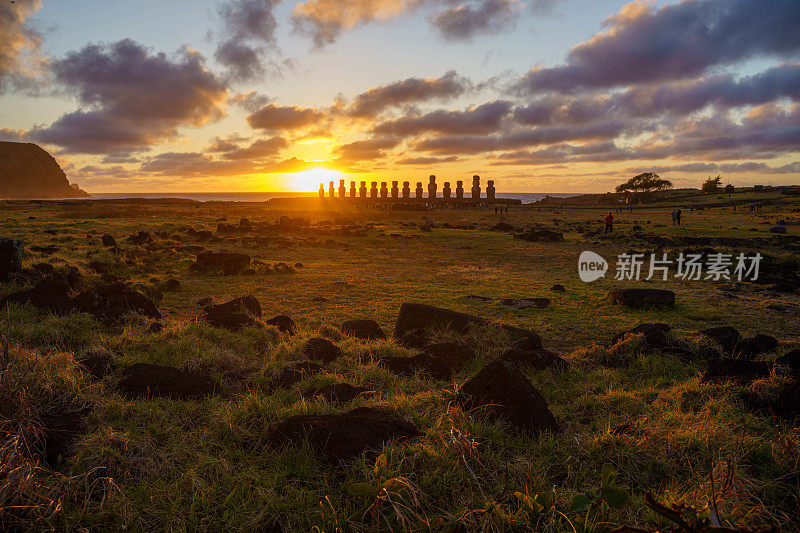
[(309, 180)]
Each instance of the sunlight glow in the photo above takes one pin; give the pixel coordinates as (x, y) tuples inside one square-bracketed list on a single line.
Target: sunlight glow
[(309, 180)]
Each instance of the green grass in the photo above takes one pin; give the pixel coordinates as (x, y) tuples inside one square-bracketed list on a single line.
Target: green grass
[(180, 465)]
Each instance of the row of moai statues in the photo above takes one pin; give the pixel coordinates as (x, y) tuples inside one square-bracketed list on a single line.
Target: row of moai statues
[(395, 194)]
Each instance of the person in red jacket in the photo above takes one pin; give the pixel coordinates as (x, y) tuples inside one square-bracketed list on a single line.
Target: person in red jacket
[(609, 223)]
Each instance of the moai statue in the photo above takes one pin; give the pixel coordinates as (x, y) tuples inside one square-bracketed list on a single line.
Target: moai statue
[(331, 190), (406, 190), (342, 190), (446, 190), (395, 191), (362, 191), (373, 189), (419, 190), (384, 191), (476, 187), (352, 189), (490, 190), (432, 187), (460, 190), (322, 190)]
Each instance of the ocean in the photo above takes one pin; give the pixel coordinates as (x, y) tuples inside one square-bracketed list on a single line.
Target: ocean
[(266, 196)]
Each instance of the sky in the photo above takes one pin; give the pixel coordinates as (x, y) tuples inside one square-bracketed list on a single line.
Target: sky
[(278, 95)]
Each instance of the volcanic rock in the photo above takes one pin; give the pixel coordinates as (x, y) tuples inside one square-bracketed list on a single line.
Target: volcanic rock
[(342, 437)]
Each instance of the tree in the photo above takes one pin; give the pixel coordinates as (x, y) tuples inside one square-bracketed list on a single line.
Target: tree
[(711, 185), (729, 189), (647, 182)]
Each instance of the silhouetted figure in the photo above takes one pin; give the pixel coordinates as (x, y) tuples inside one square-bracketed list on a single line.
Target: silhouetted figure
[(609, 223), (678, 216)]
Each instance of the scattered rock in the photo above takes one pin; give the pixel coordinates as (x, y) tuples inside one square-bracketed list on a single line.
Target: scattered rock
[(155, 328), (11, 253), (171, 285), (337, 392), (655, 334), (726, 336), (558, 288), (99, 267), (476, 298), (294, 373), (108, 241), (145, 380), (791, 360), (141, 239), (45, 269), (230, 321), (503, 391), (283, 323), (319, 349), (363, 329), (526, 303), (205, 302), (777, 229), (229, 263), (739, 370), (342, 437), (110, 302), (415, 320), (784, 403), (642, 298), (97, 363), (423, 363), (244, 304), (753, 346), (50, 294)]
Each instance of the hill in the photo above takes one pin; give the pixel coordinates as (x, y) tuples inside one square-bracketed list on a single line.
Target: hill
[(29, 172)]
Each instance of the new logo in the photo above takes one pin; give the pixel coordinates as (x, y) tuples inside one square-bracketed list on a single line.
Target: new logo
[(591, 266)]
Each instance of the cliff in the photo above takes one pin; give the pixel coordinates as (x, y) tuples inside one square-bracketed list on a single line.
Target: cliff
[(29, 172)]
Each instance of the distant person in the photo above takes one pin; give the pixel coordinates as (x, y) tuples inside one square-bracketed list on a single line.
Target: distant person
[(674, 217), (678, 216), (609, 223), (506, 210)]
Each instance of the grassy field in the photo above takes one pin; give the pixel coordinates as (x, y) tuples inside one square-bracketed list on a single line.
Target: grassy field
[(633, 421)]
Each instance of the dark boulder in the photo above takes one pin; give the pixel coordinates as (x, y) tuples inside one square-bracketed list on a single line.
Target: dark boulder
[(228, 263), (368, 330), (791, 360), (784, 403), (503, 391), (44, 269), (337, 392), (283, 323), (97, 363), (108, 241), (155, 328), (558, 288), (655, 334), (230, 321), (244, 304), (142, 238), (171, 285), (144, 380), (753, 346), (417, 319), (739, 370), (11, 253), (110, 302), (642, 298), (726, 336), (50, 294), (295, 372), (343, 437), (319, 349), (99, 267)]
